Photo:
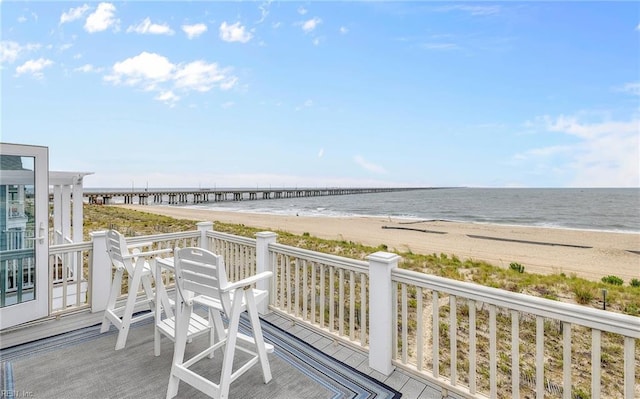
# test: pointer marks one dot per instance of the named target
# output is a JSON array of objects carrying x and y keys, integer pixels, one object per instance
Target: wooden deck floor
[{"x": 410, "y": 386}]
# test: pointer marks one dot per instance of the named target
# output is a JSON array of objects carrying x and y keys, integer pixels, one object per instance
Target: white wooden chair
[
  {"x": 201, "y": 280},
  {"x": 166, "y": 319},
  {"x": 140, "y": 268}
]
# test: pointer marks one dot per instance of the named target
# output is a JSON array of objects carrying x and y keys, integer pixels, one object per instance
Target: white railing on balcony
[
  {"x": 503, "y": 344},
  {"x": 327, "y": 291},
  {"x": 473, "y": 340},
  {"x": 69, "y": 277}
]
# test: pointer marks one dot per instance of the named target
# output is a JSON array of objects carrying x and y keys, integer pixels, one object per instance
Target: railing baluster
[
  {"x": 629, "y": 369},
  {"x": 352, "y": 305},
  {"x": 305, "y": 290},
  {"x": 395, "y": 319},
  {"x": 539, "y": 357},
  {"x": 281, "y": 267},
  {"x": 405, "y": 312},
  {"x": 297, "y": 289},
  {"x": 363, "y": 309},
  {"x": 332, "y": 294},
  {"x": 453, "y": 343},
  {"x": 515, "y": 354},
  {"x": 596, "y": 350},
  {"x": 436, "y": 335},
  {"x": 313, "y": 293},
  {"x": 420, "y": 329},
  {"x": 341, "y": 302},
  {"x": 493, "y": 369},
  {"x": 322, "y": 288},
  {"x": 472, "y": 346},
  {"x": 287, "y": 283},
  {"x": 566, "y": 360}
]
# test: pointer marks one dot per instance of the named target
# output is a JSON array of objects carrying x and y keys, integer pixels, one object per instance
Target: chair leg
[
  {"x": 183, "y": 314},
  {"x": 230, "y": 345},
  {"x": 128, "y": 310},
  {"x": 116, "y": 285},
  {"x": 257, "y": 335}
]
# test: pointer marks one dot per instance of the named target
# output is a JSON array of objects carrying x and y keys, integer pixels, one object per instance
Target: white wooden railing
[
  {"x": 521, "y": 336},
  {"x": 473, "y": 340}
]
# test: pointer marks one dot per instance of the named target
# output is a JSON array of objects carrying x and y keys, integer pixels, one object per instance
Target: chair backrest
[
  {"x": 201, "y": 272},
  {"x": 118, "y": 251}
]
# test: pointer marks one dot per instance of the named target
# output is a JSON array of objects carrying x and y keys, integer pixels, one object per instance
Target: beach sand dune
[{"x": 588, "y": 254}]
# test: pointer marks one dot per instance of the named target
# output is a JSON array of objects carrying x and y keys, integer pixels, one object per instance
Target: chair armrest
[
  {"x": 148, "y": 253},
  {"x": 247, "y": 281}
]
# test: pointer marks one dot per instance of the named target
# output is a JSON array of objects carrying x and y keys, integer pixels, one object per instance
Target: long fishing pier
[{"x": 200, "y": 196}]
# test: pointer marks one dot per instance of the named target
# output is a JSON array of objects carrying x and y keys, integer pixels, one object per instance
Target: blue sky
[{"x": 315, "y": 94}]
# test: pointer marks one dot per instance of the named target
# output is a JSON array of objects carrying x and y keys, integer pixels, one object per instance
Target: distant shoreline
[{"x": 585, "y": 253}]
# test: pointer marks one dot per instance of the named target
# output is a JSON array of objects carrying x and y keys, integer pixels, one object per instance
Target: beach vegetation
[
  {"x": 516, "y": 267},
  {"x": 583, "y": 293},
  {"x": 634, "y": 282},
  {"x": 614, "y": 280}
]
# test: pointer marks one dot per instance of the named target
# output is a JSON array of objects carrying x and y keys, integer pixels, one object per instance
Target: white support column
[
  {"x": 203, "y": 227},
  {"x": 77, "y": 211},
  {"x": 57, "y": 214},
  {"x": 263, "y": 239},
  {"x": 100, "y": 272},
  {"x": 66, "y": 213},
  {"x": 381, "y": 303}
]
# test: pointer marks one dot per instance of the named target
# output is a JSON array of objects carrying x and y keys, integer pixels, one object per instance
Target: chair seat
[{"x": 197, "y": 325}]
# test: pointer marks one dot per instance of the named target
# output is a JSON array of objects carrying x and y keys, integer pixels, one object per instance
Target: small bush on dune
[{"x": 613, "y": 280}]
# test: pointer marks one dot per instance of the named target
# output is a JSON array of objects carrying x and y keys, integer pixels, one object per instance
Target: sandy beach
[{"x": 588, "y": 254}]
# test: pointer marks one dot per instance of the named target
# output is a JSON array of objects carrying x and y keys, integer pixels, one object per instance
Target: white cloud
[
  {"x": 195, "y": 30},
  {"x": 264, "y": 11},
  {"x": 168, "y": 97},
  {"x": 633, "y": 88},
  {"x": 10, "y": 51},
  {"x": 146, "y": 27},
  {"x": 344, "y": 30},
  {"x": 101, "y": 19},
  {"x": 74, "y": 14},
  {"x": 440, "y": 46},
  {"x": 602, "y": 154},
  {"x": 154, "y": 72},
  {"x": 638, "y": 27},
  {"x": 306, "y": 104},
  {"x": 200, "y": 76},
  {"x": 368, "y": 165},
  {"x": 234, "y": 33},
  {"x": 228, "y": 104},
  {"x": 22, "y": 19},
  {"x": 321, "y": 153},
  {"x": 86, "y": 68},
  {"x": 149, "y": 68},
  {"x": 473, "y": 10},
  {"x": 302, "y": 10},
  {"x": 311, "y": 24},
  {"x": 34, "y": 67}
]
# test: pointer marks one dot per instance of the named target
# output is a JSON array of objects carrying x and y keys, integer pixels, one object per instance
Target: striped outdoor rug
[{"x": 84, "y": 364}]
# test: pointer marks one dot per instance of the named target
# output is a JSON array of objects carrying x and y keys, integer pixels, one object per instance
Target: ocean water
[{"x": 601, "y": 209}]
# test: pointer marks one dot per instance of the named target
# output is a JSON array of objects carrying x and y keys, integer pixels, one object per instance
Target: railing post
[
  {"x": 381, "y": 304},
  {"x": 203, "y": 227},
  {"x": 263, "y": 239},
  {"x": 100, "y": 271}
]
